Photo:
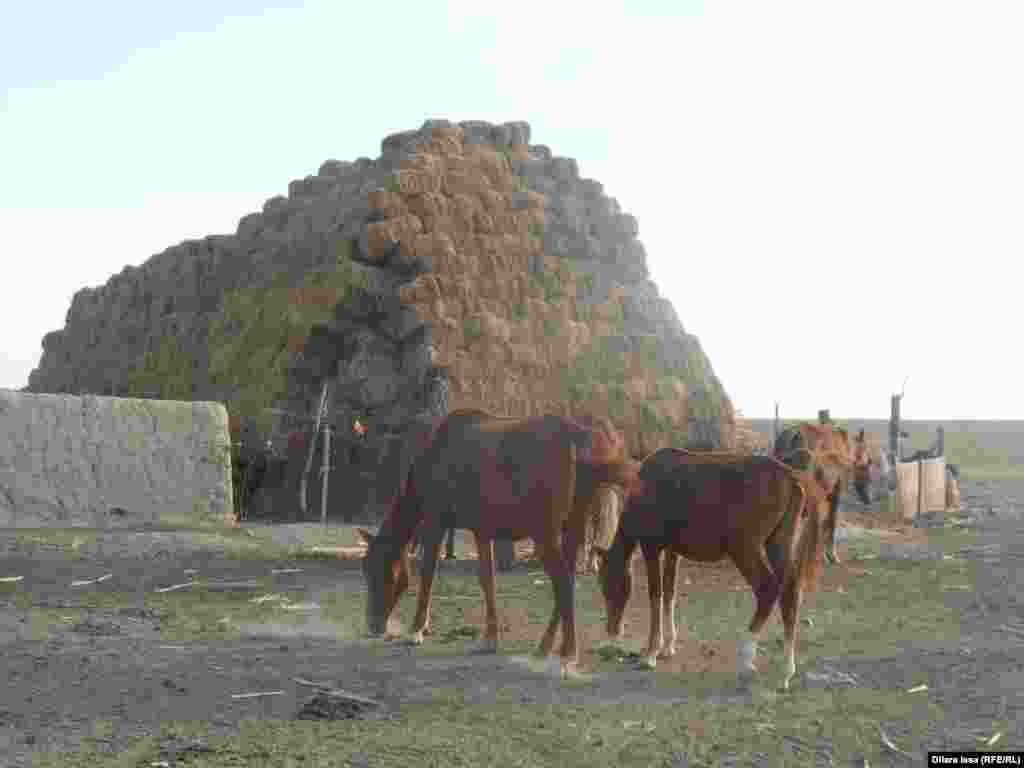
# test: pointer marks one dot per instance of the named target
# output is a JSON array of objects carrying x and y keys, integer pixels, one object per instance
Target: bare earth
[{"x": 111, "y": 664}]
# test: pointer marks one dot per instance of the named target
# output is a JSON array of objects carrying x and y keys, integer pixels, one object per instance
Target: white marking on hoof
[
  {"x": 487, "y": 645},
  {"x": 649, "y": 662},
  {"x": 417, "y": 637},
  {"x": 790, "y": 669},
  {"x": 569, "y": 670},
  {"x": 745, "y": 655}
]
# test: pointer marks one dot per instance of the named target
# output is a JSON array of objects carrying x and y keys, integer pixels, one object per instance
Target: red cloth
[{"x": 296, "y": 441}]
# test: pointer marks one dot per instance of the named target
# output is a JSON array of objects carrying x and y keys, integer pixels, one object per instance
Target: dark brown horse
[
  {"x": 499, "y": 478},
  {"x": 706, "y": 507},
  {"x": 824, "y": 452}
]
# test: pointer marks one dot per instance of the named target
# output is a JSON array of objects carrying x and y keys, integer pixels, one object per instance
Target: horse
[
  {"x": 824, "y": 451},
  {"x": 499, "y": 478},
  {"x": 705, "y": 507}
]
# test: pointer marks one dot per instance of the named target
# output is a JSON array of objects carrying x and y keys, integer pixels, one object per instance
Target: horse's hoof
[
  {"x": 569, "y": 670},
  {"x": 488, "y": 645},
  {"x": 649, "y": 662},
  {"x": 667, "y": 653},
  {"x": 417, "y": 638},
  {"x": 745, "y": 679}
]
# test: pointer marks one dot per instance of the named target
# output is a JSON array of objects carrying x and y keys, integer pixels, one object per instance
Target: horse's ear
[{"x": 365, "y": 535}]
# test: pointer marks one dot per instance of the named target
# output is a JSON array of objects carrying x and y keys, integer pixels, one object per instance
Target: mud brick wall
[{"x": 112, "y": 462}]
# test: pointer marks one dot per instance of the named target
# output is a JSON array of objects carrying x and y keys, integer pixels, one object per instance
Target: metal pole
[{"x": 325, "y": 469}]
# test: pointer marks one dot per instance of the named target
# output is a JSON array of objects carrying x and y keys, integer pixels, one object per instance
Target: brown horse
[
  {"x": 705, "y": 507},
  {"x": 499, "y": 478},
  {"x": 824, "y": 452}
]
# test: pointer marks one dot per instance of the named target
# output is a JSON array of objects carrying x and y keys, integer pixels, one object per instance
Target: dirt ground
[{"x": 110, "y": 665}]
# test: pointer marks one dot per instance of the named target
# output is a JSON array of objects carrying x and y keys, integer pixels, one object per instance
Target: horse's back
[
  {"x": 496, "y": 474},
  {"x": 700, "y": 501}
]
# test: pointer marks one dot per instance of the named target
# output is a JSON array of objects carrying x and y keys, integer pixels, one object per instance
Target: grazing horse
[
  {"x": 706, "y": 507},
  {"x": 497, "y": 477},
  {"x": 823, "y": 451}
]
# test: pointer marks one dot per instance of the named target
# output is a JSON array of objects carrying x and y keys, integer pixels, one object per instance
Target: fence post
[
  {"x": 325, "y": 470},
  {"x": 303, "y": 480},
  {"x": 920, "y": 485},
  {"x": 894, "y": 428},
  {"x": 775, "y": 426}
]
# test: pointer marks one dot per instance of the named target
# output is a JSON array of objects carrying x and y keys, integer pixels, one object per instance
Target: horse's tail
[
  {"x": 809, "y": 547},
  {"x": 797, "y": 552}
]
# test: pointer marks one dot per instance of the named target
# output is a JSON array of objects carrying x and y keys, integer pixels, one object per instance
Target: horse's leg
[
  {"x": 563, "y": 581},
  {"x": 792, "y": 595},
  {"x": 485, "y": 547},
  {"x": 431, "y": 543},
  {"x": 450, "y": 549},
  {"x": 831, "y": 521},
  {"x": 547, "y": 641},
  {"x": 752, "y": 562},
  {"x": 652, "y": 558},
  {"x": 668, "y": 603},
  {"x": 572, "y": 542}
]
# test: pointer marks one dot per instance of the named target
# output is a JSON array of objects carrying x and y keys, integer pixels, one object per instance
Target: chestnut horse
[
  {"x": 824, "y": 452},
  {"x": 499, "y": 478},
  {"x": 705, "y": 507}
]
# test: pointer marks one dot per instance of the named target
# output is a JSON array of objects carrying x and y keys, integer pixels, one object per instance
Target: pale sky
[{"x": 831, "y": 194}]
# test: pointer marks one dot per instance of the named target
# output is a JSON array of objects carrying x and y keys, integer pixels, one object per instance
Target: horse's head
[
  {"x": 615, "y": 577},
  {"x": 386, "y": 570},
  {"x": 597, "y": 441}
]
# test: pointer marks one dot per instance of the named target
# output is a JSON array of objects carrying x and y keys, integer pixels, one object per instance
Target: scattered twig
[
  {"x": 994, "y": 738},
  {"x": 311, "y": 683},
  {"x": 300, "y": 606},
  {"x": 277, "y": 571},
  {"x": 270, "y": 597},
  {"x": 86, "y": 582},
  {"x": 175, "y": 587},
  {"x": 256, "y": 694},
  {"x": 229, "y": 585},
  {"x": 338, "y": 693},
  {"x": 1012, "y": 630},
  {"x": 10, "y": 579},
  {"x": 638, "y": 724},
  {"x": 887, "y": 743},
  {"x": 917, "y": 688}
]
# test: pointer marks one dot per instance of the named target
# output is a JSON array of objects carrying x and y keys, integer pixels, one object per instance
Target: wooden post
[
  {"x": 312, "y": 448},
  {"x": 920, "y": 486},
  {"x": 775, "y": 426},
  {"x": 325, "y": 470},
  {"x": 894, "y": 428}
]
